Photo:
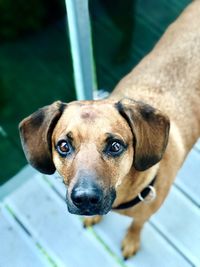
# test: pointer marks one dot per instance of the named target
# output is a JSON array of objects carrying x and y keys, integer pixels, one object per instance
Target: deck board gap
[
  {"x": 171, "y": 243},
  {"x": 186, "y": 195},
  {"x": 11, "y": 213}
]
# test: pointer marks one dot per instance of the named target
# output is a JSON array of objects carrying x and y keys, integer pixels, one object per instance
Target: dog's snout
[
  {"x": 86, "y": 196},
  {"x": 89, "y": 198}
]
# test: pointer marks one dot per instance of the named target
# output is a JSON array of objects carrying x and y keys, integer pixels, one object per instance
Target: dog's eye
[
  {"x": 115, "y": 148},
  {"x": 63, "y": 148}
]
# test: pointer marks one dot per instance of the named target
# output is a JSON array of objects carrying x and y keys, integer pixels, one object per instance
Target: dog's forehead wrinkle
[{"x": 88, "y": 114}]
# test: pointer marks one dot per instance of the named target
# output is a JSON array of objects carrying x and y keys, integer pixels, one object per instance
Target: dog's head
[{"x": 94, "y": 145}]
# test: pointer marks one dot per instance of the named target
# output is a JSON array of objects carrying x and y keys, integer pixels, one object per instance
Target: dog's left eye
[
  {"x": 64, "y": 148},
  {"x": 115, "y": 148}
]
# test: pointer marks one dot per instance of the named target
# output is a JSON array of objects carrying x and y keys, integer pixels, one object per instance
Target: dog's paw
[
  {"x": 130, "y": 246},
  {"x": 89, "y": 221}
]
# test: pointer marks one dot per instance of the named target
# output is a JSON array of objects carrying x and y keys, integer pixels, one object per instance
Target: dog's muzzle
[{"x": 88, "y": 198}]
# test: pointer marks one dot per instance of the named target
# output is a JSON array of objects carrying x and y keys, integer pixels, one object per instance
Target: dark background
[{"x": 35, "y": 58}]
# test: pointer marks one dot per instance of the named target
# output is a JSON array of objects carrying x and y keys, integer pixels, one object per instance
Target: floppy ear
[
  {"x": 150, "y": 127},
  {"x": 35, "y": 133}
]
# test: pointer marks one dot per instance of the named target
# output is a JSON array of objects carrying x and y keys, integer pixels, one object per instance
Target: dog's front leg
[
  {"x": 131, "y": 242},
  {"x": 89, "y": 221}
]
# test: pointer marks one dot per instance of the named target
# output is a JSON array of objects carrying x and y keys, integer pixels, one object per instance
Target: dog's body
[{"x": 108, "y": 151}]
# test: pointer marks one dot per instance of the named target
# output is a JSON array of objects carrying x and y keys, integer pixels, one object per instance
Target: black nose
[{"x": 86, "y": 196}]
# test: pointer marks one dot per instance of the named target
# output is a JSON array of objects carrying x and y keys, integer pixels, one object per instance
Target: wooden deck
[{"x": 36, "y": 229}]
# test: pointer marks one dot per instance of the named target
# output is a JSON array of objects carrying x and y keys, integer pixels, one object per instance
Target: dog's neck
[
  {"x": 134, "y": 183},
  {"x": 148, "y": 194}
]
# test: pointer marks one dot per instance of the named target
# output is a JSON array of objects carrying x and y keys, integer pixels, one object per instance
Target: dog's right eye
[{"x": 64, "y": 148}]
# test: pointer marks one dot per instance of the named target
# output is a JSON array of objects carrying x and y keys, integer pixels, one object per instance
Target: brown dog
[{"x": 115, "y": 153}]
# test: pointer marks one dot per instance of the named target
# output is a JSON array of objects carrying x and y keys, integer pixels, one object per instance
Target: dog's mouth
[{"x": 92, "y": 208}]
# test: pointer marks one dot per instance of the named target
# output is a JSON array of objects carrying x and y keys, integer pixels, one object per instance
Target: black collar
[{"x": 137, "y": 199}]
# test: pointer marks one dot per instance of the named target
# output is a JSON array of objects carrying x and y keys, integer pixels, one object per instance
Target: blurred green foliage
[{"x": 21, "y": 17}]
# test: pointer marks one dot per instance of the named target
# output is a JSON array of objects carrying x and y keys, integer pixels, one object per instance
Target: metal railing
[{"x": 81, "y": 48}]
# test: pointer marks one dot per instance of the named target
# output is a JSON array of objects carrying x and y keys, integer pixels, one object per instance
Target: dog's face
[
  {"x": 92, "y": 152},
  {"x": 94, "y": 145}
]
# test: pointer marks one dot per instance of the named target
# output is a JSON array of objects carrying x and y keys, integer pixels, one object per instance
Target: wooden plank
[
  {"x": 56, "y": 181},
  {"x": 189, "y": 176},
  {"x": 154, "y": 248},
  {"x": 10, "y": 162},
  {"x": 26, "y": 173},
  {"x": 179, "y": 220},
  {"x": 61, "y": 234},
  {"x": 113, "y": 228},
  {"x": 17, "y": 249},
  {"x": 81, "y": 48}
]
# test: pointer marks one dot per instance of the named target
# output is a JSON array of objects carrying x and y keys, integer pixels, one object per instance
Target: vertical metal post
[{"x": 81, "y": 47}]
